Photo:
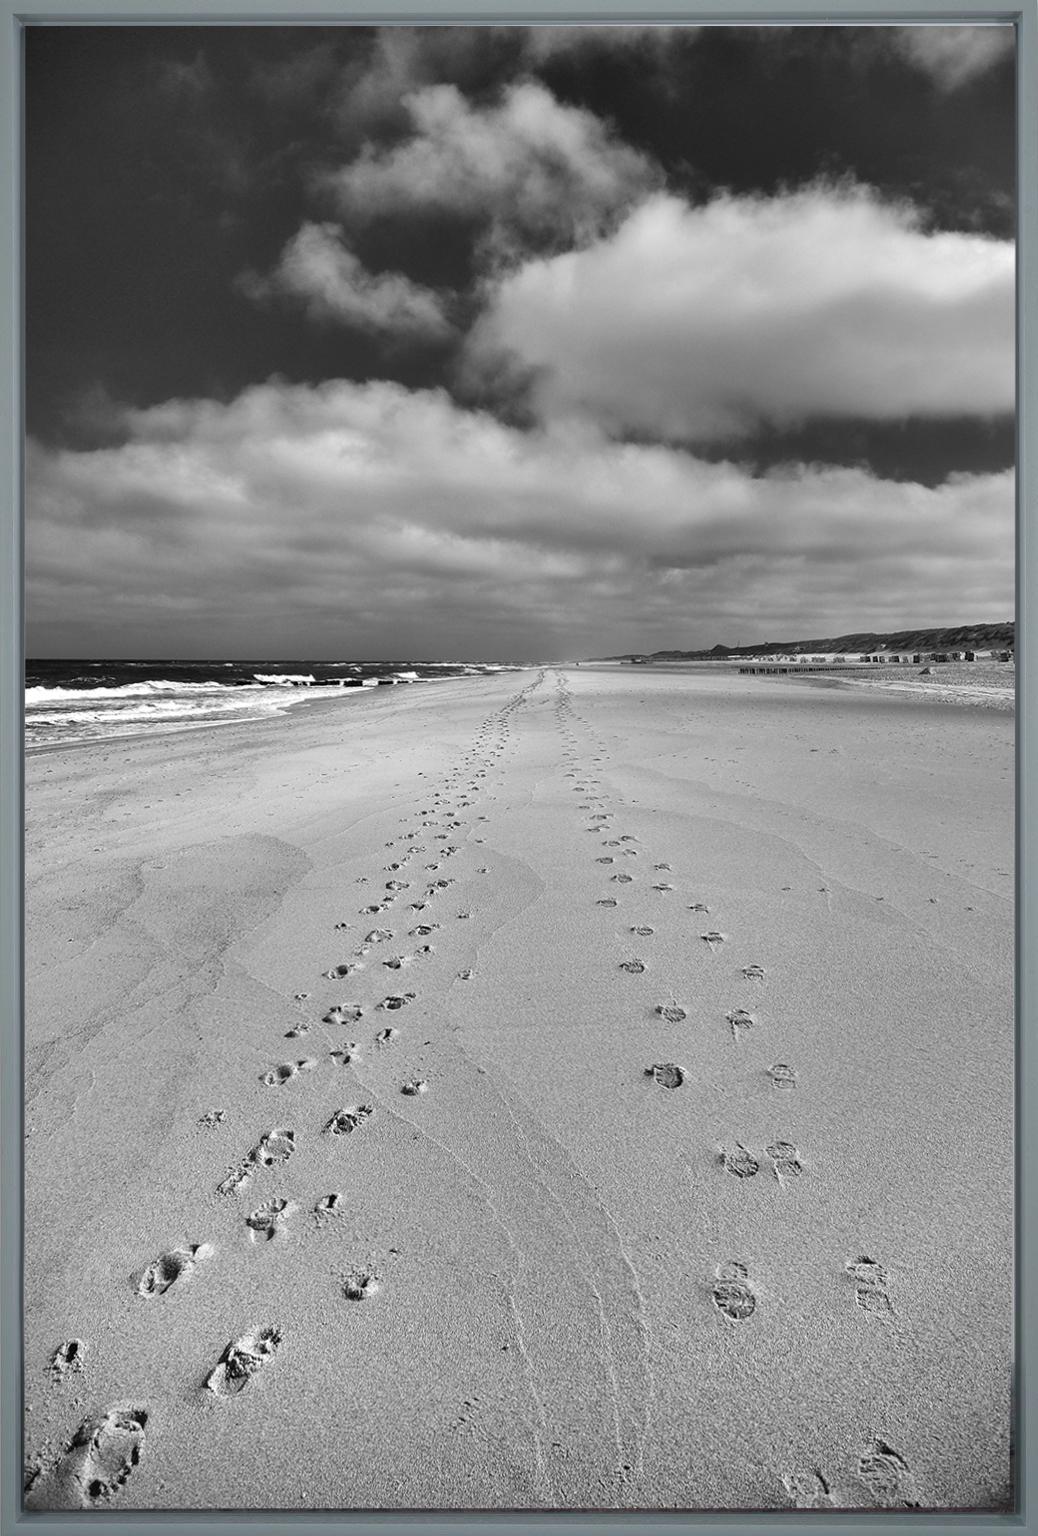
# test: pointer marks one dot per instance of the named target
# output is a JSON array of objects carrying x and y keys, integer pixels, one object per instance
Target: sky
[{"x": 515, "y": 344}]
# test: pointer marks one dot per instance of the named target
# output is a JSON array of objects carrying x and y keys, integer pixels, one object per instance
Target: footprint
[
  {"x": 606, "y": 901},
  {"x": 415, "y": 1086},
  {"x": 264, "y": 1220},
  {"x": 782, "y": 1076},
  {"x": 343, "y": 1013},
  {"x": 66, "y": 1360},
  {"x": 465, "y": 975},
  {"x": 740, "y": 1161},
  {"x": 622, "y": 879},
  {"x": 753, "y": 972},
  {"x": 699, "y": 906},
  {"x": 672, "y": 1012},
  {"x": 885, "y": 1473},
  {"x": 297, "y": 1032},
  {"x": 666, "y": 1074},
  {"x": 361, "y": 1284},
  {"x": 241, "y": 1360},
  {"x": 168, "y": 1268},
  {"x": 286, "y": 1071},
  {"x": 713, "y": 938},
  {"x": 740, "y": 1021},
  {"x": 786, "y": 1158},
  {"x": 378, "y": 936},
  {"x": 732, "y": 1293},
  {"x": 870, "y": 1286},
  {"x": 396, "y": 1001},
  {"x": 345, "y": 969},
  {"x": 100, "y": 1457},
  {"x": 211, "y": 1117},
  {"x": 397, "y": 962},
  {"x": 808, "y": 1490},
  {"x": 643, "y": 931},
  {"x": 633, "y": 967},
  {"x": 423, "y": 930},
  {"x": 327, "y": 1207},
  {"x": 345, "y": 1054},
  {"x": 301, "y": 997},
  {"x": 607, "y": 859},
  {"x": 275, "y": 1147},
  {"x": 345, "y": 1121},
  {"x": 387, "y": 1036}
]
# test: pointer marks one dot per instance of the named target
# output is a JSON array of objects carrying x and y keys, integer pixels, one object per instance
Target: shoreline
[{"x": 557, "y": 1237}]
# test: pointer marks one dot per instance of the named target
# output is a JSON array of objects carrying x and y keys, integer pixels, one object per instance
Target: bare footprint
[
  {"x": 713, "y": 938},
  {"x": 672, "y": 1012},
  {"x": 168, "y": 1268},
  {"x": 274, "y": 1147},
  {"x": 99, "y": 1459},
  {"x": 328, "y": 1207},
  {"x": 277, "y": 1076},
  {"x": 666, "y": 1074},
  {"x": 387, "y": 1036},
  {"x": 782, "y": 1075},
  {"x": 643, "y": 931},
  {"x": 414, "y": 1086},
  {"x": 67, "y": 1360},
  {"x": 732, "y": 1293},
  {"x": 263, "y": 1222},
  {"x": 632, "y": 967},
  {"x": 753, "y": 972},
  {"x": 345, "y": 1121},
  {"x": 241, "y": 1360},
  {"x": 343, "y": 1013},
  {"x": 396, "y": 1001}
]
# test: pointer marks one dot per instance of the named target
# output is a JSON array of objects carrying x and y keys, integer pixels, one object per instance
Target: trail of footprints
[
  {"x": 102, "y": 1453},
  {"x": 732, "y": 1290},
  {"x": 104, "y": 1450}
]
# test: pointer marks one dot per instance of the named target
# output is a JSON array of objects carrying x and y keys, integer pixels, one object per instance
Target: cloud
[
  {"x": 527, "y": 166},
  {"x": 332, "y": 283},
  {"x": 544, "y": 44},
  {"x": 703, "y": 323},
  {"x": 953, "y": 56},
  {"x": 342, "y": 519}
]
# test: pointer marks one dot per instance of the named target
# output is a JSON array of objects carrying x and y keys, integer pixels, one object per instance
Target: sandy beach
[{"x": 577, "y": 1088}]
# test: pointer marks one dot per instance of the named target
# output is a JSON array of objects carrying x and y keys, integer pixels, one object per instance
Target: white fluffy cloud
[
  {"x": 525, "y": 165},
  {"x": 952, "y": 56},
  {"x": 324, "y": 518},
  {"x": 318, "y": 269},
  {"x": 703, "y": 322}
]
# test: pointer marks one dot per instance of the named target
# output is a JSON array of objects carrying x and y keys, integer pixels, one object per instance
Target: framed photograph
[{"x": 514, "y": 882}]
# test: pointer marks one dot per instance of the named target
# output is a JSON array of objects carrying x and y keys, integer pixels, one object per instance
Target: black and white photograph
[{"x": 519, "y": 767}]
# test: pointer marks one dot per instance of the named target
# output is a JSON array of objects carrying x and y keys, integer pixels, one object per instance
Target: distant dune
[{"x": 966, "y": 636}]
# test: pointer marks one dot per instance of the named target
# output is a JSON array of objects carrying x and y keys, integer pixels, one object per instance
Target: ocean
[{"x": 70, "y": 701}]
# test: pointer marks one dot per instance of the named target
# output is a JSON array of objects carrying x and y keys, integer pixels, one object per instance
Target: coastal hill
[{"x": 965, "y": 637}]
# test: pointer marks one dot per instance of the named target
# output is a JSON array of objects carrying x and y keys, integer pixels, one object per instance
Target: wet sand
[{"x": 543, "y": 1197}]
